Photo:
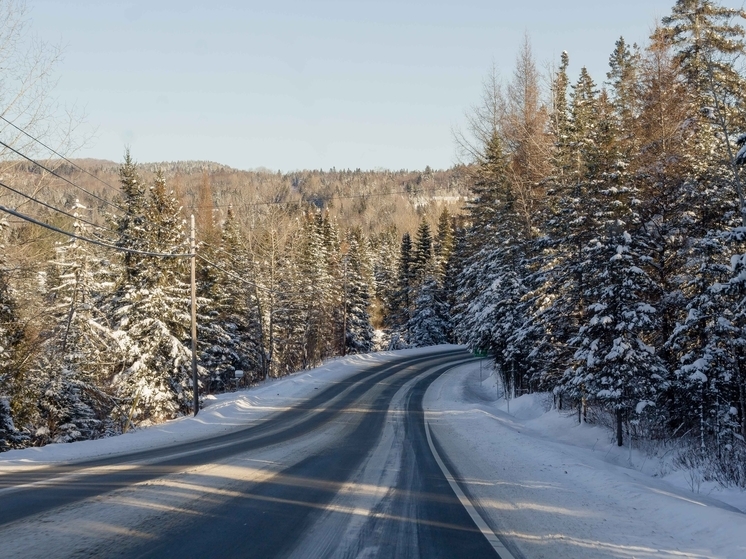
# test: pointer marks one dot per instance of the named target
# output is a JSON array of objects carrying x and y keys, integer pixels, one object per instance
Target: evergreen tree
[
  {"x": 429, "y": 323},
  {"x": 561, "y": 158},
  {"x": 231, "y": 330},
  {"x": 316, "y": 295},
  {"x": 131, "y": 226},
  {"x": 708, "y": 44},
  {"x": 444, "y": 243},
  {"x": 358, "y": 329},
  {"x": 150, "y": 307},
  {"x": 12, "y": 342},
  {"x": 491, "y": 194},
  {"x": 384, "y": 249},
  {"x": 423, "y": 252},
  {"x": 614, "y": 363},
  {"x": 403, "y": 300},
  {"x": 623, "y": 78},
  {"x": 289, "y": 315},
  {"x": 74, "y": 367}
]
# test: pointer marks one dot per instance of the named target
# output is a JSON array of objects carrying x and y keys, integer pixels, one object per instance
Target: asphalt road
[{"x": 349, "y": 473}]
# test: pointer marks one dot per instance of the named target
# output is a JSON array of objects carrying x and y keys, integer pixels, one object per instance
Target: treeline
[
  {"x": 95, "y": 338},
  {"x": 374, "y": 200},
  {"x": 604, "y": 260}
]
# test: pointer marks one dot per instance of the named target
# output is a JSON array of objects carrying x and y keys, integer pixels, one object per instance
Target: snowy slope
[{"x": 562, "y": 490}]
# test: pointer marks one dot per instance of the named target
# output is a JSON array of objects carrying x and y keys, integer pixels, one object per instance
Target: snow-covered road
[
  {"x": 323, "y": 478},
  {"x": 362, "y": 481}
]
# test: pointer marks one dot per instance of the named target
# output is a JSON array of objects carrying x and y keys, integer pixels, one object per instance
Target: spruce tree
[
  {"x": 561, "y": 158},
  {"x": 230, "y": 329},
  {"x": 624, "y": 66},
  {"x": 402, "y": 302},
  {"x": 384, "y": 248},
  {"x": 358, "y": 329},
  {"x": 709, "y": 43},
  {"x": 429, "y": 323},
  {"x": 315, "y": 293},
  {"x": 423, "y": 252},
  {"x": 12, "y": 341},
  {"x": 150, "y": 307},
  {"x": 444, "y": 243},
  {"x": 614, "y": 364},
  {"x": 75, "y": 366}
]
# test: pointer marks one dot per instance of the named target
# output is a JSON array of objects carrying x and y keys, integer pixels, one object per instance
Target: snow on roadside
[
  {"x": 559, "y": 489},
  {"x": 222, "y": 413}
]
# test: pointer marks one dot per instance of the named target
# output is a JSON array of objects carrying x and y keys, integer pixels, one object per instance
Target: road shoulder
[{"x": 552, "y": 500}]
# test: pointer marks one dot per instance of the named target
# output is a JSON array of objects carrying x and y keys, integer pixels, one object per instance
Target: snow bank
[{"x": 559, "y": 489}]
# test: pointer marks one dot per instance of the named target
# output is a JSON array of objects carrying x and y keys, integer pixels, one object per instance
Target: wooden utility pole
[
  {"x": 194, "y": 319},
  {"x": 344, "y": 310}
]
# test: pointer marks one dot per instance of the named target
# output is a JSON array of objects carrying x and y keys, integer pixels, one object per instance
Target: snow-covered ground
[
  {"x": 548, "y": 485},
  {"x": 563, "y": 490}
]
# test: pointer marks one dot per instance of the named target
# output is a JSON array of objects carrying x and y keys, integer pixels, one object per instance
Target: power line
[
  {"x": 63, "y": 212},
  {"x": 56, "y": 174},
  {"x": 38, "y": 141},
  {"x": 92, "y": 241},
  {"x": 256, "y": 285},
  {"x": 237, "y": 277}
]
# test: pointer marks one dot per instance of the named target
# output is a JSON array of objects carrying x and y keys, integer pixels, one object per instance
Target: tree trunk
[{"x": 619, "y": 439}]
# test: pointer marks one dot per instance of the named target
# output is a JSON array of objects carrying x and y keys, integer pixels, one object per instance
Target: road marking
[{"x": 501, "y": 550}]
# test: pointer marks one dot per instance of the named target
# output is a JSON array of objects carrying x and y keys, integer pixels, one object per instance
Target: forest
[{"x": 592, "y": 244}]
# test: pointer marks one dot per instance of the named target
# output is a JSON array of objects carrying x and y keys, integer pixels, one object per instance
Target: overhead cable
[
  {"x": 38, "y": 141},
  {"x": 56, "y": 174},
  {"x": 63, "y": 212},
  {"x": 235, "y": 276},
  {"x": 92, "y": 241}
]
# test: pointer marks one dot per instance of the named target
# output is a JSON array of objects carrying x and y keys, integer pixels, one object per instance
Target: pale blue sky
[{"x": 317, "y": 84}]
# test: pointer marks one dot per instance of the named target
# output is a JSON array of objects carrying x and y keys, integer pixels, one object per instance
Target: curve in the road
[
  {"x": 423, "y": 515},
  {"x": 25, "y": 494}
]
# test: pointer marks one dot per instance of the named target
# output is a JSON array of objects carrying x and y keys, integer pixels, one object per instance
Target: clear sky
[{"x": 292, "y": 84}]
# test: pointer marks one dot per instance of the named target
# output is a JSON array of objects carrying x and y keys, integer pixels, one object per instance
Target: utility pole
[
  {"x": 344, "y": 309},
  {"x": 194, "y": 319}
]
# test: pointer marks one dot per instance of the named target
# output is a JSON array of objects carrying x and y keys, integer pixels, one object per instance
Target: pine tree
[
  {"x": 12, "y": 342},
  {"x": 358, "y": 329},
  {"x": 422, "y": 261},
  {"x": 403, "y": 300},
  {"x": 150, "y": 307},
  {"x": 75, "y": 365},
  {"x": 614, "y": 363},
  {"x": 231, "y": 330},
  {"x": 429, "y": 323}
]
